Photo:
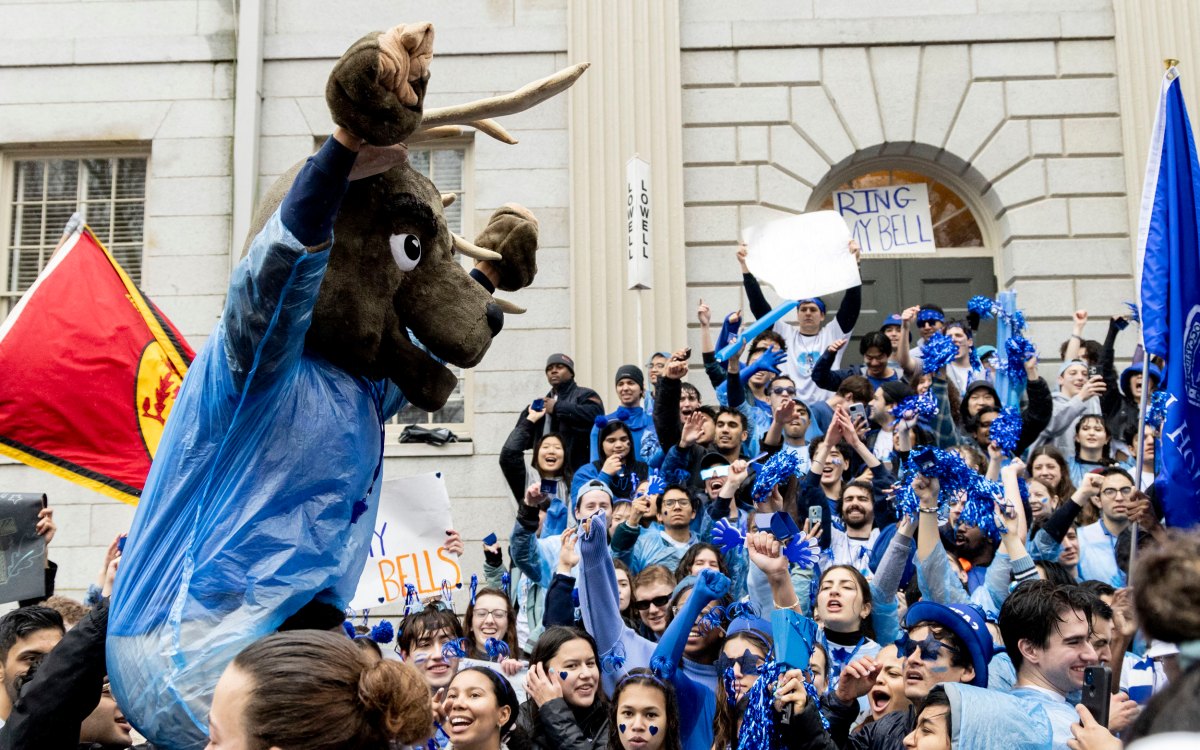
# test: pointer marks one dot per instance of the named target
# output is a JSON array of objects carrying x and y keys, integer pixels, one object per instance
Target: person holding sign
[{"x": 811, "y": 336}]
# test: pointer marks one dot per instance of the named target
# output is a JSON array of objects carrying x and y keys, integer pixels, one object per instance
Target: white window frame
[
  {"x": 9, "y": 157},
  {"x": 466, "y": 198}
]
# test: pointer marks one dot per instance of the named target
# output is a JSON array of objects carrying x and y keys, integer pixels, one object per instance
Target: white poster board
[
  {"x": 406, "y": 545},
  {"x": 640, "y": 269},
  {"x": 802, "y": 256},
  {"x": 888, "y": 219}
]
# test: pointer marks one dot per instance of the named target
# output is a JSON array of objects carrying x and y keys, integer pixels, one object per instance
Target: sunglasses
[
  {"x": 930, "y": 647},
  {"x": 783, "y": 390},
  {"x": 641, "y": 605},
  {"x": 929, "y": 323},
  {"x": 748, "y": 663}
]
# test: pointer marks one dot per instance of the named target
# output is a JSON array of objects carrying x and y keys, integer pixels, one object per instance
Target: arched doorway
[{"x": 964, "y": 264}]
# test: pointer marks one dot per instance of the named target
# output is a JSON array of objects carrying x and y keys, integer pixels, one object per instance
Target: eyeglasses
[
  {"x": 1111, "y": 492},
  {"x": 929, "y": 646},
  {"x": 748, "y": 663},
  {"x": 676, "y": 502},
  {"x": 783, "y": 390},
  {"x": 658, "y": 602},
  {"x": 495, "y": 614}
]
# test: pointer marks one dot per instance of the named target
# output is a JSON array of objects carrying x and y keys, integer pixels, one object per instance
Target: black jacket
[
  {"x": 886, "y": 734},
  {"x": 560, "y": 727},
  {"x": 574, "y": 414},
  {"x": 65, "y": 690}
]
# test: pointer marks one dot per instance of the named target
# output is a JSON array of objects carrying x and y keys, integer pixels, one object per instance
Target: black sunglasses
[
  {"x": 783, "y": 390},
  {"x": 641, "y": 605}
]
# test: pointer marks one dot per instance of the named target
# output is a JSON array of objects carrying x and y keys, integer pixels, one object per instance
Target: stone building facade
[{"x": 1032, "y": 114}]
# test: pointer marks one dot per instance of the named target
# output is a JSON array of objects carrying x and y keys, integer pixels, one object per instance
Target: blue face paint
[
  {"x": 621, "y": 727},
  {"x": 939, "y": 670},
  {"x": 653, "y": 730}
]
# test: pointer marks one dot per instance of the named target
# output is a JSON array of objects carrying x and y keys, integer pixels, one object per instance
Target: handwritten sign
[
  {"x": 802, "y": 256},
  {"x": 888, "y": 219},
  {"x": 640, "y": 269},
  {"x": 22, "y": 551},
  {"x": 406, "y": 546}
]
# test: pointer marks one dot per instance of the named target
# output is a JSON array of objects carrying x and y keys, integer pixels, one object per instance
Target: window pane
[
  {"x": 27, "y": 224},
  {"x": 419, "y": 161},
  {"x": 447, "y": 169},
  {"x": 99, "y": 178},
  {"x": 453, "y": 214},
  {"x": 30, "y": 175},
  {"x": 131, "y": 178},
  {"x": 57, "y": 216},
  {"x": 63, "y": 180},
  {"x": 127, "y": 226},
  {"x": 99, "y": 217}
]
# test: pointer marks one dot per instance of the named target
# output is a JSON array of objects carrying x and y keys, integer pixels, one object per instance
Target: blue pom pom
[
  {"x": 982, "y": 306},
  {"x": 922, "y": 405},
  {"x": 1016, "y": 322},
  {"x": 382, "y": 633},
  {"x": 496, "y": 649},
  {"x": 1017, "y": 349},
  {"x": 613, "y": 660},
  {"x": 956, "y": 479},
  {"x": 662, "y": 668},
  {"x": 758, "y": 720},
  {"x": 938, "y": 351},
  {"x": 1006, "y": 430},
  {"x": 349, "y": 628},
  {"x": 1156, "y": 410},
  {"x": 1135, "y": 314},
  {"x": 779, "y": 468},
  {"x": 455, "y": 649}
]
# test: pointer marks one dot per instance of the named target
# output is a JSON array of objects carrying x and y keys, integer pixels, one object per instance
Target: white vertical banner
[{"x": 640, "y": 270}]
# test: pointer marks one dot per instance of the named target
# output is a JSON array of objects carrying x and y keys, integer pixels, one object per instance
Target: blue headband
[
  {"x": 927, "y": 314},
  {"x": 815, "y": 300}
]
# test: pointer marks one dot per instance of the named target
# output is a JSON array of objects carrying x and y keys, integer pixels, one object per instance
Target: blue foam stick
[{"x": 759, "y": 326}]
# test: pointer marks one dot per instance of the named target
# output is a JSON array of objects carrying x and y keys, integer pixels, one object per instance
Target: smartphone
[
  {"x": 1093, "y": 372},
  {"x": 490, "y": 539},
  {"x": 815, "y": 513},
  {"x": 539, "y": 404},
  {"x": 858, "y": 411},
  {"x": 121, "y": 543},
  {"x": 550, "y": 487},
  {"x": 1096, "y": 686}
]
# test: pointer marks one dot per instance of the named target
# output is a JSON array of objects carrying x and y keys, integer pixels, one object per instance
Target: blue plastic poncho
[
  {"x": 984, "y": 719},
  {"x": 249, "y": 510}
]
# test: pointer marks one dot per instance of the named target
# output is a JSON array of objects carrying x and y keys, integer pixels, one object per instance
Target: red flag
[{"x": 89, "y": 370}]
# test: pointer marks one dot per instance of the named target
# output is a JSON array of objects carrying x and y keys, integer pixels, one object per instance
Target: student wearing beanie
[
  {"x": 631, "y": 386},
  {"x": 569, "y": 409}
]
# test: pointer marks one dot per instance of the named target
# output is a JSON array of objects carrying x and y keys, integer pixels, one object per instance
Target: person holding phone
[
  {"x": 1078, "y": 395},
  {"x": 1046, "y": 631},
  {"x": 568, "y": 409}
]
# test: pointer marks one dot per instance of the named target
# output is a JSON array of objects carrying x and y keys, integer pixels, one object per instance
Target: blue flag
[{"x": 1169, "y": 244}]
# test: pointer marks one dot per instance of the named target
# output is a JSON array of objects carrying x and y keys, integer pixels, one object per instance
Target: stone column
[{"x": 627, "y": 103}]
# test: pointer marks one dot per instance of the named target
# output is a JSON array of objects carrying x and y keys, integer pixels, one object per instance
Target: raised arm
[
  {"x": 599, "y": 596},
  {"x": 758, "y": 303}
]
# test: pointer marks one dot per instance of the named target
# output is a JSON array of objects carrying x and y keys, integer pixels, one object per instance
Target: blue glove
[
  {"x": 729, "y": 332},
  {"x": 770, "y": 361},
  {"x": 712, "y": 585}
]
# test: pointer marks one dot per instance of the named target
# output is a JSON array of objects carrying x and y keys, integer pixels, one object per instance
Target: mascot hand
[
  {"x": 513, "y": 232},
  {"x": 377, "y": 89}
]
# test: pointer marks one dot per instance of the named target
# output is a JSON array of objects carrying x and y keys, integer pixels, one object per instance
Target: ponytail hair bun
[{"x": 393, "y": 693}]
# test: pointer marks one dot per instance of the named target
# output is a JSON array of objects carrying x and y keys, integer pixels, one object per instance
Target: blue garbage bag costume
[{"x": 265, "y": 484}]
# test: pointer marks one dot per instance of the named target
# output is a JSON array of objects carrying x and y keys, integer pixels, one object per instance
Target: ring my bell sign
[
  {"x": 637, "y": 216},
  {"x": 891, "y": 219}
]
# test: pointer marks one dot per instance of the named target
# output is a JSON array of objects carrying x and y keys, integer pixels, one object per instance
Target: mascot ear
[
  {"x": 513, "y": 233},
  {"x": 377, "y": 88}
]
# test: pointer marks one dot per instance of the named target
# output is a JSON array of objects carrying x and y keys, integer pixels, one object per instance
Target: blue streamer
[
  {"x": 1135, "y": 314},
  {"x": 411, "y": 598},
  {"x": 741, "y": 609},
  {"x": 758, "y": 721},
  {"x": 455, "y": 648},
  {"x": 1006, "y": 430},
  {"x": 613, "y": 660},
  {"x": 714, "y": 619},
  {"x": 447, "y": 594},
  {"x": 382, "y": 633},
  {"x": 779, "y": 468},
  {"x": 938, "y": 351},
  {"x": 474, "y": 587},
  {"x": 662, "y": 668},
  {"x": 496, "y": 649},
  {"x": 921, "y": 405},
  {"x": 505, "y": 581},
  {"x": 816, "y": 701},
  {"x": 727, "y": 679}
]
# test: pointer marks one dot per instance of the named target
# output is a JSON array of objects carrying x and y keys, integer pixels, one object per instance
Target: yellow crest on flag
[{"x": 157, "y": 387}]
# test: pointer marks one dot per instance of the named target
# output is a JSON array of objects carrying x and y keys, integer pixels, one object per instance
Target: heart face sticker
[
  {"x": 621, "y": 727},
  {"x": 562, "y": 675},
  {"x": 653, "y": 730}
]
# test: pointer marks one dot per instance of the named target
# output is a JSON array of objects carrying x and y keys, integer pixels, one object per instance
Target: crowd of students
[{"x": 662, "y": 549}]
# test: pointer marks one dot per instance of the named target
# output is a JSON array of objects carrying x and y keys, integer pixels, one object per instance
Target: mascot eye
[{"x": 406, "y": 250}]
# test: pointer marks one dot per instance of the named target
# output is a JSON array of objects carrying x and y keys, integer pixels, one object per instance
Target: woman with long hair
[
  {"x": 268, "y": 694},
  {"x": 1048, "y": 465},
  {"x": 566, "y": 709},
  {"x": 698, "y": 557},
  {"x": 1093, "y": 448},
  {"x": 742, "y": 655},
  {"x": 491, "y": 617},
  {"x": 547, "y": 469},
  {"x": 644, "y": 714},
  {"x": 617, "y": 464}
]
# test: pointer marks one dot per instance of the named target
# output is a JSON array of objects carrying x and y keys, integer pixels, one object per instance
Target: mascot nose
[{"x": 495, "y": 317}]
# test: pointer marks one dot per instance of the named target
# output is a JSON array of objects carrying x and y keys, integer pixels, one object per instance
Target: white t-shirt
[
  {"x": 804, "y": 351},
  {"x": 801, "y": 452}
]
